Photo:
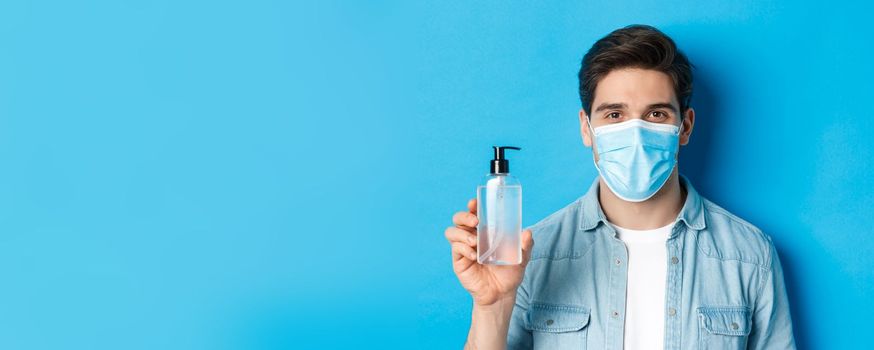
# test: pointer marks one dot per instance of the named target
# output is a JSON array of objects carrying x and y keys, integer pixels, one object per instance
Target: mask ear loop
[
  {"x": 592, "y": 137},
  {"x": 679, "y": 134},
  {"x": 591, "y": 131}
]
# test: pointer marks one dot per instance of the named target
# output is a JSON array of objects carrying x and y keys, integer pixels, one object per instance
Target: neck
[{"x": 658, "y": 211}]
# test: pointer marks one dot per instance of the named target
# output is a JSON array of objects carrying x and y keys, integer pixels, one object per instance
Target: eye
[
  {"x": 613, "y": 115},
  {"x": 658, "y": 114}
]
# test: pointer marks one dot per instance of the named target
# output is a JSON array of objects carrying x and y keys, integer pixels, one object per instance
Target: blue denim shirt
[{"x": 724, "y": 287}]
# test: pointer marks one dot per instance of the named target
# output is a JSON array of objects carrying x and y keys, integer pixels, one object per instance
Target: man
[{"x": 641, "y": 261}]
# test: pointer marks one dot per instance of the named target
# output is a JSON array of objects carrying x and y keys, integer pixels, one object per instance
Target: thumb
[{"x": 527, "y": 245}]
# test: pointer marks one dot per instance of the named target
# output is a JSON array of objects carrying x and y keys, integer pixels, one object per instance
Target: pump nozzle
[{"x": 500, "y": 165}]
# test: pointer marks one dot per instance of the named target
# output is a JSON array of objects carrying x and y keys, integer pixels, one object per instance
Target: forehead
[{"x": 635, "y": 86}]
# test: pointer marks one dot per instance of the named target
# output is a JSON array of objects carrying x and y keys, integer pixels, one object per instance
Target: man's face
[{"x": 634, "y": 93}]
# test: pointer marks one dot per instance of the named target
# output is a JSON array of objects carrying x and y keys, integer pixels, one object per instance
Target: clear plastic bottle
[{"x": 499, "y": 210}]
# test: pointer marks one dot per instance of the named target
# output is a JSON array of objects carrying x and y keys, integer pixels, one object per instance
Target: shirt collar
[{"x": 590, "y": 212}]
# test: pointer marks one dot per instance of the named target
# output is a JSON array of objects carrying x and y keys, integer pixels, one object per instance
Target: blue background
[{"x": 273, "y": 175}]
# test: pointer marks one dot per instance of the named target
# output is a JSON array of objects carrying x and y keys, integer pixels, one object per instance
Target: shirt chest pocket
[
  {"x": 723, "y": 327},
  {"x": 555, "y": 326}
]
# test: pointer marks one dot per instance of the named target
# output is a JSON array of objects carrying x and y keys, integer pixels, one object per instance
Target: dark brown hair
[{"x": 635, "y": 46}]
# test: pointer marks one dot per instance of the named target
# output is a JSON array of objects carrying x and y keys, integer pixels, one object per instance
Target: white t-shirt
[{"x": 645, "y": 297}]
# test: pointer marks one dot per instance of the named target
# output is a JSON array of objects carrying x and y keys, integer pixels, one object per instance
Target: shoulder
[{"x": 728, "y": 237}]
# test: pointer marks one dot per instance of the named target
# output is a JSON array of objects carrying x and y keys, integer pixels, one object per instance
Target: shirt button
[
  {"x": 618, "y": 262},
  {"x": 672, "y": 311},
  {"x": 674, "y": 260},
  {"x": 734, "y": 325},
  {"x": 549, "y": 322},
  {"x": 615, "y": 314}
]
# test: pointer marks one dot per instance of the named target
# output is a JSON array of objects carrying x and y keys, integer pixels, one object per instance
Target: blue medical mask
[{"x": 636, "y": 157}]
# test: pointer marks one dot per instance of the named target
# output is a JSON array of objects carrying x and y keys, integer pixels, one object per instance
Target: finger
[
  {"x": 455, "y": 234},
  {"x": 465, "y": 220},
  {"x": 462, "y": 251},
  {"x": 471, "y": 206},
  {"x": 527, "y": 245},
  {"x": 460, "y": 263}
]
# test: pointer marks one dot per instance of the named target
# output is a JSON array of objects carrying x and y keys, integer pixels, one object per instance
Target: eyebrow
[
  {"x": 605, "y": 105},
  {"x": 663, "y": 105}
]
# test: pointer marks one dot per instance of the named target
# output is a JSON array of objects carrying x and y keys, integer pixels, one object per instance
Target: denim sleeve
[
  {"x": 518, "y": 336},
  {"x": 772, "y": 322}
]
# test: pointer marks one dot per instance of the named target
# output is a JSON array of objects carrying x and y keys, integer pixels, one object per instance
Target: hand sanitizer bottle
[{"x": 499, "y": 210}]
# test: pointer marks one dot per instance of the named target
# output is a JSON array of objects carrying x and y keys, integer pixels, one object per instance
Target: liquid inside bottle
[{"x": 499, "y": 231}]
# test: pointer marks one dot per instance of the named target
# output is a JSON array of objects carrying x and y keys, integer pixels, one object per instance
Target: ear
[
  {"x": 688, "y": 125},
  {"x": 584, "y": 128}
]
